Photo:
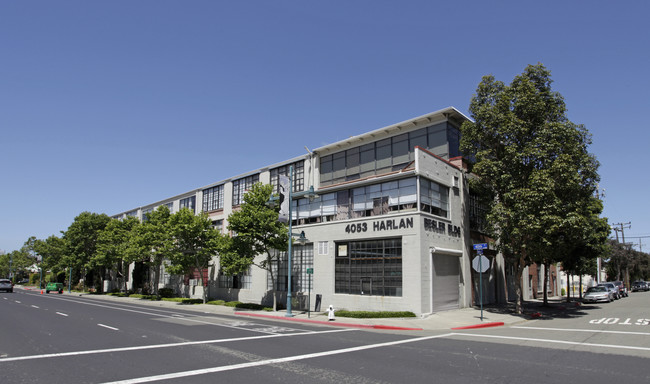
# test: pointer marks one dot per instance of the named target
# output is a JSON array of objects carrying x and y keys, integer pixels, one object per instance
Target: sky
[{"x": 106, "y": 106}]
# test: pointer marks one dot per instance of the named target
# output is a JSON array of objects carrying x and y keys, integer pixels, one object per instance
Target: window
[
  {"x": 303, "y": 258},
  {"x": 145, "y": 213},
  {"x": 372, "y": 200},
  {"x": 213, "y": 198},
  {"x": 240, "y": 281},
  {"x": 239, "y": 188},
  {"x": 298, "y": 178},
  {"x": 323, "y": 248},
  {"x": 389, "y": 154},
  {"x": 170, "y": 206},
  {"x": 189, "y": 203},
  {"x": 218, "y": 225},
  {"x": 369, "y": 267},
  {"x": 434, "y": 198}
]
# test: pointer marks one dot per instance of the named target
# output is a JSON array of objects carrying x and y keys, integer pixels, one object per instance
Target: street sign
[
  {"x": 481, "y": 263},
  {"x": 310, "y": 271},
  {"x": 480, "y": 246}
]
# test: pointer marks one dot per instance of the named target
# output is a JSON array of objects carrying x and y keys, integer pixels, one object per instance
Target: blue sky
[{"x": 109, "y": 105}]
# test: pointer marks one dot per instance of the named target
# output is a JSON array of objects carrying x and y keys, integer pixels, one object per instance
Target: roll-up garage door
[{"x": 446, "y": 278}]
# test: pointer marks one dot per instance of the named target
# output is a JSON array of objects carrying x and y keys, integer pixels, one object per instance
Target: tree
[
  {"x": 534, "y": 171},
  {"x": 257, "y": 232},
  {"x": 115, "y": 248},
  {"x": 52, "y": 250},
  {"x": 195, "y": 242},
  {"x": 81, "y": 238},
  {"x": 153, "y": 242},
  {"x": 15, "y": 261}
]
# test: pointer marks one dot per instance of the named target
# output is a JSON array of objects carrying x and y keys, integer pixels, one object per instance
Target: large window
[
  {"x": 303, "y": 258},
  {"x": 240, "y": 281},
  {"x": 189, "y": 203},
  {"x": 372, "y": 200},
  {"x": 239, "y": 188},
  {"x": 213, "y": 198},
  {"x": 389, "y": 154},
  {"x": 434, "y": 198},
  {"x": 369, "y": 267},
  {"x": 298, "y": 177}
]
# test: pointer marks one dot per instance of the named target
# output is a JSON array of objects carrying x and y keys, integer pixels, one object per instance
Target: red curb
[
  {"x": 483, "y": 325},
  {"x": 336, "y": 324}
]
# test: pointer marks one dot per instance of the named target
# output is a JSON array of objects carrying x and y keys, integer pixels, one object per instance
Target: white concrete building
[{"x": 389, "y": 230}]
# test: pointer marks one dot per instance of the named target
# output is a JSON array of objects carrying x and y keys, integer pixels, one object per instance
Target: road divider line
[
  {"x": 551, "y": 341},
  {"x": 62, "y": 314},
  {"x": 145, "y": 347},
  {"x": 584, "y": 330},
  {"x": 106, "y": 326},
  {"x": 288, "y": 359}
]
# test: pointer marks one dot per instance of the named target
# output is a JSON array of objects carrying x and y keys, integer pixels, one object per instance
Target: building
[{"x": 391, "y": 228}]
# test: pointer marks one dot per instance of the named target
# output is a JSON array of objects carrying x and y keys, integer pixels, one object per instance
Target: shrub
[
  {"x": 217, "y": 302},
  {"x": 166, "y": 292},
  {"x": 373, "y": 314},
  {"x": 232, "y": 303}
]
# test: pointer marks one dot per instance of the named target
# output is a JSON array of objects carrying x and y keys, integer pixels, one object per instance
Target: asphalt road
[{"x": 69, "y": 339}]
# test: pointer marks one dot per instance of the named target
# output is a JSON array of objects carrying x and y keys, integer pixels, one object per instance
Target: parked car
[
  {"x": 621, "y": 288},
  {"x": 640, "y": 286},
  {"x": 612, "y": 288},
  {"x": 598, "y": 293},
  {"x": 54, "y": 287},
  {"x": 6, "y": 285}
]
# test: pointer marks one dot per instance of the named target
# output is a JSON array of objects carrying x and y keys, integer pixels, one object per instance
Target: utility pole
[{"x": 622, "y": 229}]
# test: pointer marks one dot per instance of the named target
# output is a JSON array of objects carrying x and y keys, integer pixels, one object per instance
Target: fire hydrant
[{"x": 330, "y": 313}]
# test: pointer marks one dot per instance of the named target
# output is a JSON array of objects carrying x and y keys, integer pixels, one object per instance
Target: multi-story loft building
[{"x": 391, "y": 228}]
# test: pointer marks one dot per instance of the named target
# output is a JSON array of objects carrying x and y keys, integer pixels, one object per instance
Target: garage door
[{"x": 446, "y": 277}]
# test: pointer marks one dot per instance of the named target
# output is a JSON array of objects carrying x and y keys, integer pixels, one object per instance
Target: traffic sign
[
  {"x": 480, "y": 246},
  {"x": 481, "y": 263},
  {"x": 310, "y": 271}
]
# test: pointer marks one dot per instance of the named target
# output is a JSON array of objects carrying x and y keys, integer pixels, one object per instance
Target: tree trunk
[
  {"x": 568, "y": 288},
  {"x": 519, "y": 300},
  {"x": 547, "y": 269}
]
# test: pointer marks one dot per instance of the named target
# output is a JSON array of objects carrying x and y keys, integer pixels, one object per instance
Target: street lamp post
[{"x": 288, "y": 185}]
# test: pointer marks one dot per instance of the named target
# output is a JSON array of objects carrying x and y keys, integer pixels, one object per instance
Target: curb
[
  {"x": 483, "y": 325},
  {"x": 347, "y": 325}
]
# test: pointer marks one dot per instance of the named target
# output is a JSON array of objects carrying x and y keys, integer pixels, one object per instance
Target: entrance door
[{"x": 446, "y": 280}]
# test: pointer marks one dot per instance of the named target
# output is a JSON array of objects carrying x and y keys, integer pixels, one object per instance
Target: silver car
[
  {"x": 613, "y": 288},
  {"x": 596, "y": 294},
  {"x": 5, "y": 285}
]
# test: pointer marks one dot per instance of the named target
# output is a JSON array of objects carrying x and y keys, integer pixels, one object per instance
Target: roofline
[{"x": 444, "y": 113}]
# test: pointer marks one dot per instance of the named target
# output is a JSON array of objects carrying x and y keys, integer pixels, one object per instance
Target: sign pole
[{"x": 480, "y": 278}]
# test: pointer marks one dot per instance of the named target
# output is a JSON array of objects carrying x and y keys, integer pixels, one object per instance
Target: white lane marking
[
  {"x": 550, "y": 341},
  {"x": 270, "y": 361},
  {"x": 143, "y": 347},
  {"x": 106, "y": 326},
  {"x": 157, "y": 314},
  {"x": 34, "y": 306},
  {"x": 62, "y": 314},
  {"x": 585, "y": 330},
  {"x": 18, "y": 302}
]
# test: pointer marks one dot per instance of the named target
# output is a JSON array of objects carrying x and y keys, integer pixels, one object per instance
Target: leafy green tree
[
  {"x": 52, "y": 250},
  {"x": 81, "y": 238},
  {"x": 534, "y": 171},
  {"x": 153, "y": 243},
  {"x": 115, "y": 248},
  {"x": 258, "y": 236},
  {"x": 195, "y": 241},
  {"x": 15, "y": 261}
]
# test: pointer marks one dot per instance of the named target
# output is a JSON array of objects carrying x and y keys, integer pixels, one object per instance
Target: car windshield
[{"x": 597, "y": 289}]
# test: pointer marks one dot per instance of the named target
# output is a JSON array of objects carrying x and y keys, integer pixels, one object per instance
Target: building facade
[{"x": 391, "y": 226}]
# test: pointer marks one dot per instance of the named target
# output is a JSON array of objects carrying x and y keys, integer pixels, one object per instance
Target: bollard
[{"x": 330, "y": 313}]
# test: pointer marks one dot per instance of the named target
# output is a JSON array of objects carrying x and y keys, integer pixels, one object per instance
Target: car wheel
[
  {"x": 60, "y": 291},
  {"x": 46, "y": 291}
]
